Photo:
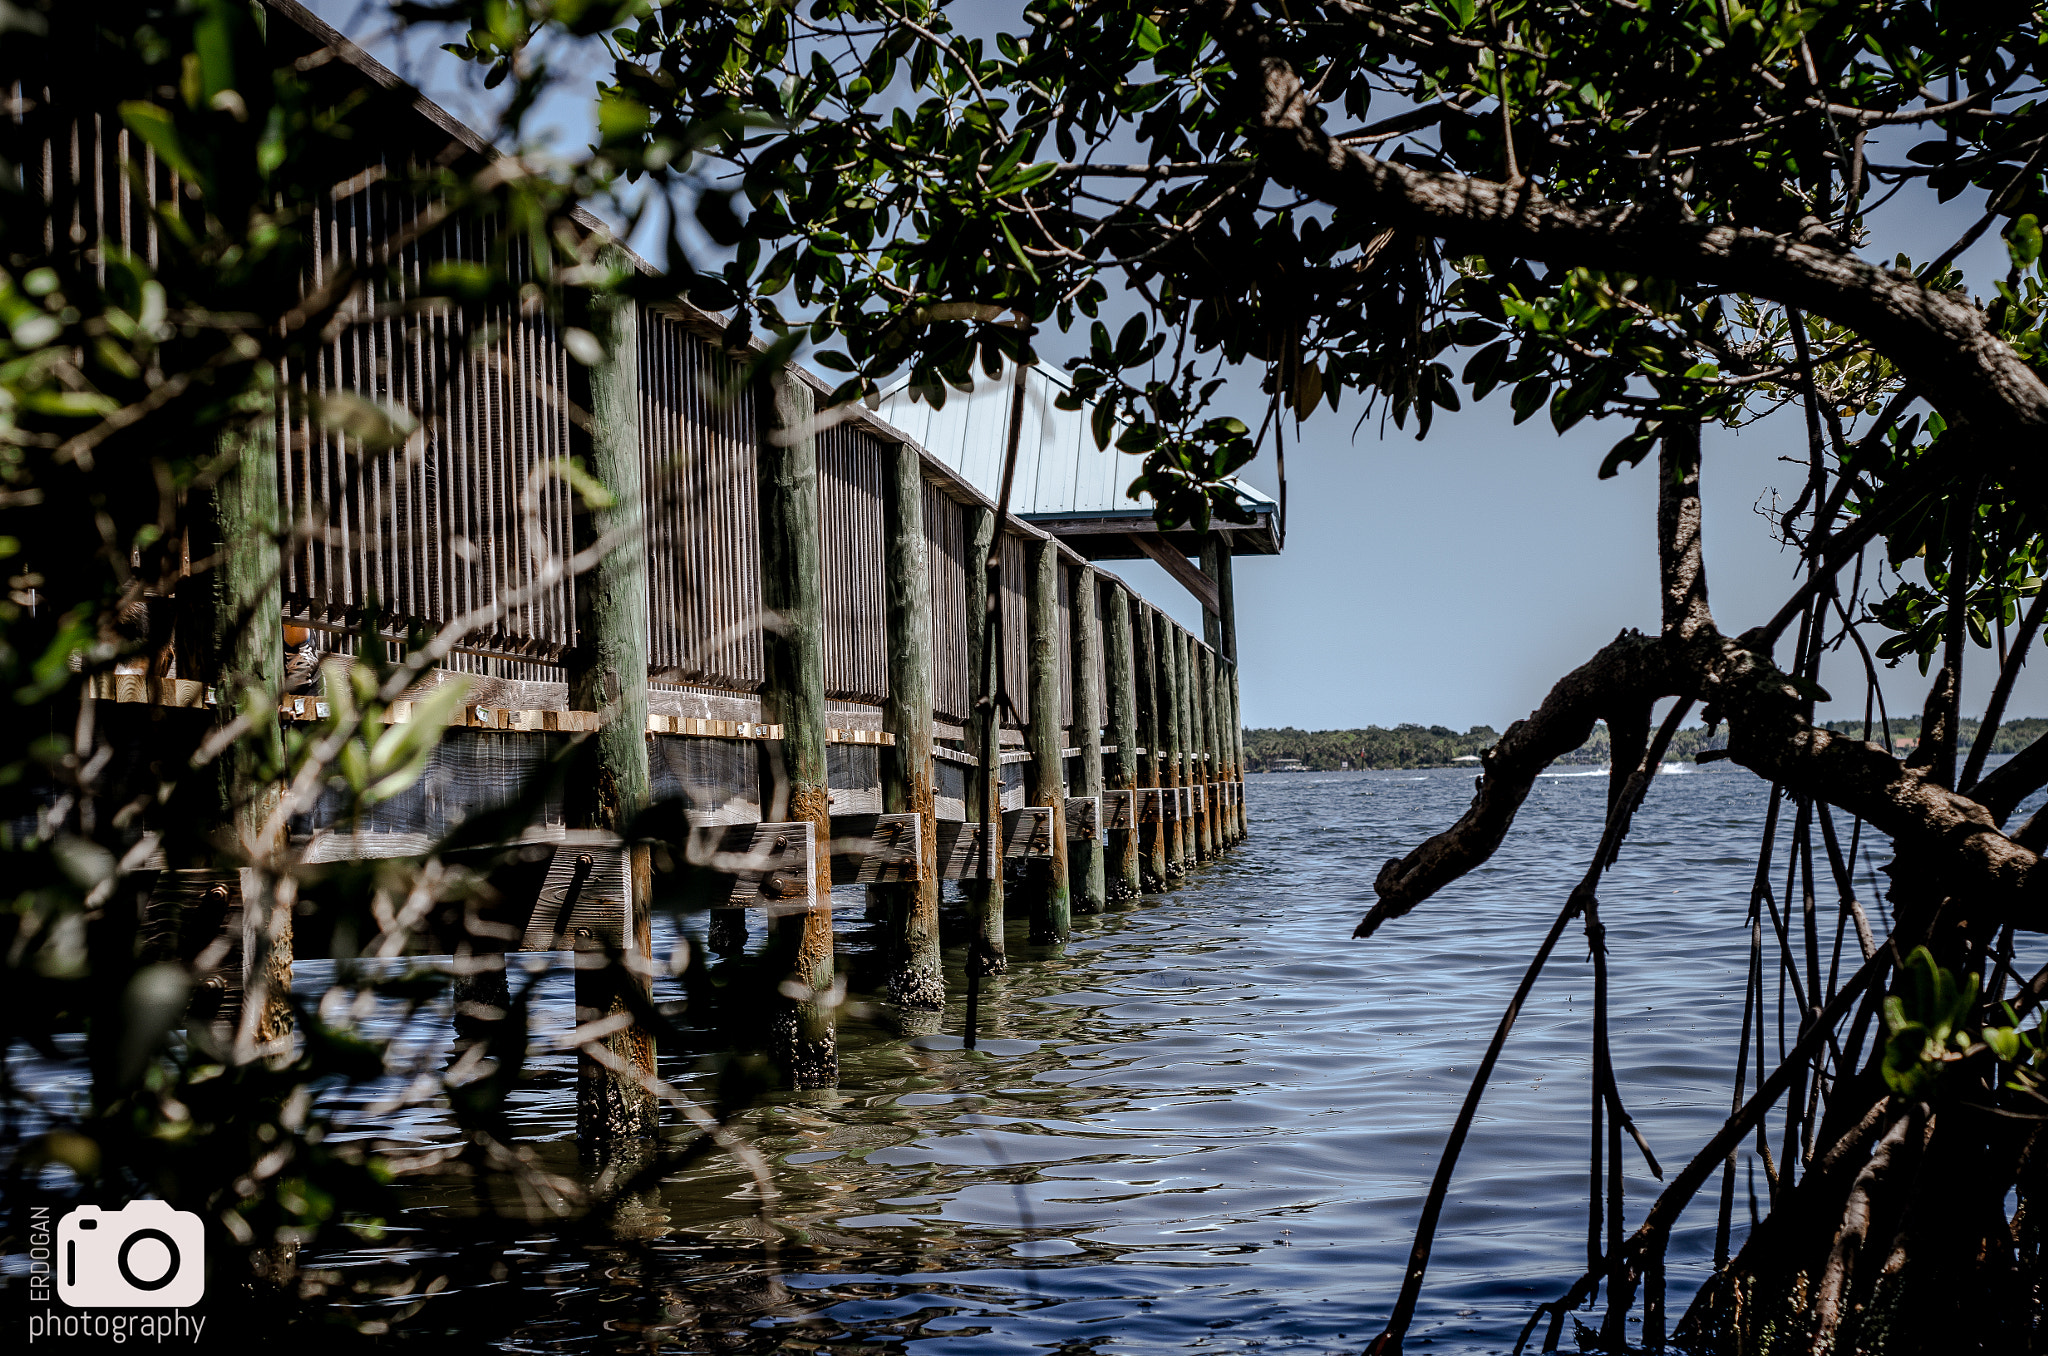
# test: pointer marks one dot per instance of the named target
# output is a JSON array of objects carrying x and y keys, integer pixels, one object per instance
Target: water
[{"x": 1208, "y": 1124}]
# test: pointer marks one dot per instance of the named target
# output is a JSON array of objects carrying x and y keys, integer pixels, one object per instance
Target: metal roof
[{"x": 1062, "y": 476}]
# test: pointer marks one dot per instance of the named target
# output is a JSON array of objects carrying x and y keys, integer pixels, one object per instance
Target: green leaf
[
  {"x": 156, "y": 126},
  {"x": 1102, "y": 422},
  {"x": 2023, "y": 240},
  {"x": 1630, "y": 451},
  {"x": 1529, "y": 397},
  {"x": 1482, "y": 373},
  {"x": 69, "y": 404}
]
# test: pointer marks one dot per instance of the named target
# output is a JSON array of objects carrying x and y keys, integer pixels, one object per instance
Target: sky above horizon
[{"x": 1451, "y": 581}]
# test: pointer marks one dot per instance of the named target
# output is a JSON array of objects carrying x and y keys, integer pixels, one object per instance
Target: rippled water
[{"x": 1209, "y": 1121}]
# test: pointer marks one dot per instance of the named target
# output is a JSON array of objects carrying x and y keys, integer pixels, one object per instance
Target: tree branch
[{"x": 1940, "y": 343}]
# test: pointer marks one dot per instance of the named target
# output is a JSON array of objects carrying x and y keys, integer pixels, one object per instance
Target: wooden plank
[
  {"x": 195, "y": 918},
  {"x": 1028, "y": 832},
  {"x": 140, "y": 688},
  {"x": 698, "y": 727},
  {"x": 876, "y": 737},
  {"x": 1117, "y": 815},
  {"x": 1084, "y": 815},
  {"x": 959, "y": 852},
  {"x": 586, "y": 893},
  {"x": 183, "y": 692},
  {"x": 878, "y": 849},
  {"x": 767, "y": 868},
  {"x": 1149, "y": 804}
]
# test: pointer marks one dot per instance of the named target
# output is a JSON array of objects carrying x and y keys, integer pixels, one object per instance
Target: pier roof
[{"x": 1065, "y": 484}]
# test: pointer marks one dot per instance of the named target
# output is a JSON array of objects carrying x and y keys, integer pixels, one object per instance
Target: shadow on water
[{"x": 1207, "y": 1124}]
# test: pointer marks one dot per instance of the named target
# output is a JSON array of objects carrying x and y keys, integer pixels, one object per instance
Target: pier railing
[{"x": 804, "y": 594}]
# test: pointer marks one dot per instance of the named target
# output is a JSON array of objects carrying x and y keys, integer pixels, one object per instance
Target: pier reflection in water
[{"x": 1206, "y": 1124}]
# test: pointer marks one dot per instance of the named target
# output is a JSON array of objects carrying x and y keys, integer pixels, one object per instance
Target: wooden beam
[
  {"x": 1031, "y": 832},
  {"x": 1177, "y": 565},
  {"x": 886, "y": 849}
]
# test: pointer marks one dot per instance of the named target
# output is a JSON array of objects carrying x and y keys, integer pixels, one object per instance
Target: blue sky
[{"x": 1450, "y": 581}]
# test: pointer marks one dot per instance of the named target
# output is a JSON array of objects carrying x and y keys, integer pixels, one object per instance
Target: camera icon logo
[{"x": 143, "y": 1256}]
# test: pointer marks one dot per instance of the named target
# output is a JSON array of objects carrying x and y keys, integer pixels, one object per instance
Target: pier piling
[
  {"x": 1091, "y": 894},
  {"x": 916, "y": 979},
  {"x": 247, "y": 642},
  {"x": 801, "y": 1036},
  {"x": 1121, "y": 849},
  {"x": 607, "y": 674},
  {"x": 1052, "y": 900},
  {"x": 985, "y": 948}
]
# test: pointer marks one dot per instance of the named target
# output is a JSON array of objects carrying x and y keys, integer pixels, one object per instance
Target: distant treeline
[
  {"x": 1372, "y": 747},
  {"x": 2013, "y": 735},
  {"x": 1407, "y": 746}
]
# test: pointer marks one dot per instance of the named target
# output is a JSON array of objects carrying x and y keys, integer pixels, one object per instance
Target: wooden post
[
  {"x": 1184, "y": 743},
  {"x": 1205, "y": 846},
  {"x": 1169, "y": 744},
  {"x": 607, "y": 673},
  {"x": 1151, "y": 731},
  {"x": 984, "y": 890},
  {"x": 801, "y": 1036},
  {"x": 916, "y": 976},
  {"x": 1226, "y": 718},
  {"x": 1051, "y": 914},
  {"x": 1093, "y": 894},
  {"x": 1237, "y": 743},
  {"x": 1204, "y": 693},
  {"x": 1120, "y": 673},
  {"x": 1219, "y": 628},
  {"x": 1219, "y": 744},
  {"x": 246, "y": 636}
]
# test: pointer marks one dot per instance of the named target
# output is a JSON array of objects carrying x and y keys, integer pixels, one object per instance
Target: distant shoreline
[{"x": 1421, "y": 747}]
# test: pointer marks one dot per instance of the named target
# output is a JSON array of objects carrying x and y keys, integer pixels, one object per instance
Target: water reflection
[{"x": 1207, "y": 1124}]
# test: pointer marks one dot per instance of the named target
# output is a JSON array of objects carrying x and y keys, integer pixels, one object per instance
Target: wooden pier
[{"x": 763, "y": 685}]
